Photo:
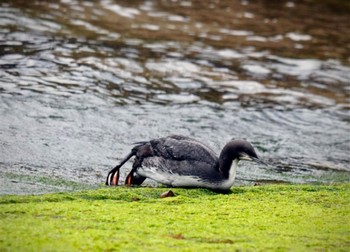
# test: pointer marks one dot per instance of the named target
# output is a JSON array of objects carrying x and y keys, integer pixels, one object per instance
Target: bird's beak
[
  {"x": 258, "y": 160},
  {"x": 250, "y": 158}
]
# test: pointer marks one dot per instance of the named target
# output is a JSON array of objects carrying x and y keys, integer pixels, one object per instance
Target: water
[{"x": 80, "y": 81}]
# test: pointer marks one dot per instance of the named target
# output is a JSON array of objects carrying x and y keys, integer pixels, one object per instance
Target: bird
[{"x": 181, "y": 161}]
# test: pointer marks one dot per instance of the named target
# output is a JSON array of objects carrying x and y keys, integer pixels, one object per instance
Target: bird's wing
[{"x": 184, "y": 148}]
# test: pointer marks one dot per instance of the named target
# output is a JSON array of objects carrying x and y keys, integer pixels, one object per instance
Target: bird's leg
[
  {"x": 113, "y": 175},
  {"x": 129, "y": 179},
  {"x": 134, "y": 179}
]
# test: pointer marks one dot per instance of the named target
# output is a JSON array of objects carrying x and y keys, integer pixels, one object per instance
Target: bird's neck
[
  {"x": 228, "y": 163},
  {"x": 228, "y": 168}
]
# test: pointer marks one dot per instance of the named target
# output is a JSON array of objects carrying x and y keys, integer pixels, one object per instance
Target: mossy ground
[{"x": 270, "y": 217}]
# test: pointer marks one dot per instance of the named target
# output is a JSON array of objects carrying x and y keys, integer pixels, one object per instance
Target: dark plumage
[{"x": 181, "y": 161}]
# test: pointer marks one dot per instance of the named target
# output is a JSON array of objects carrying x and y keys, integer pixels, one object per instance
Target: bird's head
[{"x": 242, "y": 150}]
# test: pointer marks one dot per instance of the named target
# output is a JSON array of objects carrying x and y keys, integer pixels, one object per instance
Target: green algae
[
  {"x": 269, "y": 217},
  {"x": 24, "y": 184}
]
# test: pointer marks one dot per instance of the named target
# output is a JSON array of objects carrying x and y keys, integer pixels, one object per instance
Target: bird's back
[{"x": 177, "y": 147}]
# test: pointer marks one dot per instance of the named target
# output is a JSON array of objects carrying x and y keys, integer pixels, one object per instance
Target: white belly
[{"x": 170, "y": 179}]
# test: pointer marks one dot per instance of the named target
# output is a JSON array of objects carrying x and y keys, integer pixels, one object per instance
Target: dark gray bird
[{"x": 181, "y": 161}]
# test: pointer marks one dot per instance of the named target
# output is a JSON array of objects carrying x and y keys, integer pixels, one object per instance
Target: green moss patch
[{"x": 270, "y": 217}]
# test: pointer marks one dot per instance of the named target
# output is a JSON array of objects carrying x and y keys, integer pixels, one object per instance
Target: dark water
[{"x": 82, "y": 80}]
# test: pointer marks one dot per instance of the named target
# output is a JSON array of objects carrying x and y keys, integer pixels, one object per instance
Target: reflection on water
[{"x": 81, "y": 80}]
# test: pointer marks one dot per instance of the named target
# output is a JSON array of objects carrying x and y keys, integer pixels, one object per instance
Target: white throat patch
[{"x": 227, "y": 184}]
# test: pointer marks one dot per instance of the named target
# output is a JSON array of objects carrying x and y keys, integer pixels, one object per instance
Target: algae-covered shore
[{"x": 249, "y": 218}]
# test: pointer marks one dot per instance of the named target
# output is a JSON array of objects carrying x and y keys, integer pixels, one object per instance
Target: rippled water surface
[{"x": 80, "y": 81}]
